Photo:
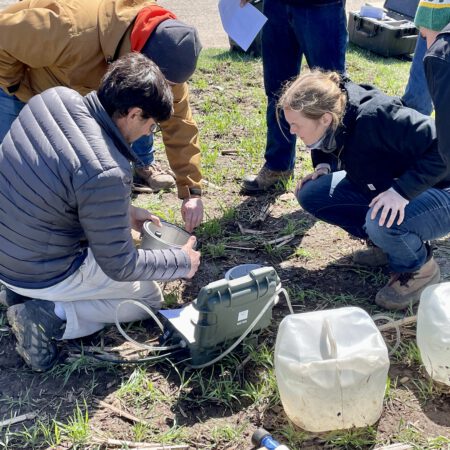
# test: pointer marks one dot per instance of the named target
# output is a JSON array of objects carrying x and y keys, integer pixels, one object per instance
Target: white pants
[{"x": 89, "y": 299}]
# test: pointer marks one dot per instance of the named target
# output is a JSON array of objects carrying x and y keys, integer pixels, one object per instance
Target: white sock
[{"x": 60, "y": 311}]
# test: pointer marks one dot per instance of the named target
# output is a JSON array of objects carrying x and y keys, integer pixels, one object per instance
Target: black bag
[{"x": 393, "y": 35}]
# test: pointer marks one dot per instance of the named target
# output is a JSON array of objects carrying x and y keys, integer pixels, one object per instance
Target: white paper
[
  {"x": 183, "y": 319},
  {"x": 241, "y": 24}
]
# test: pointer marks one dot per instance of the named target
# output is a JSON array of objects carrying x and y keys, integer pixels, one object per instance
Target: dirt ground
[{"x": 316, "y": 267}]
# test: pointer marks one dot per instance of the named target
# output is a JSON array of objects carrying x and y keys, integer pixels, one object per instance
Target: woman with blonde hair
[{"x": 391, "y": 184}]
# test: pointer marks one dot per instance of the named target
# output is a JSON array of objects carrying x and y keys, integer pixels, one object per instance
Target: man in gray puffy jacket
[{"x": 65, "y": 232}]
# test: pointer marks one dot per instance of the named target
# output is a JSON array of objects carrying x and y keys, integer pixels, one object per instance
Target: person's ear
[
  {"x": 326, "y": 119},
  {"x": 134, "y": 113}
]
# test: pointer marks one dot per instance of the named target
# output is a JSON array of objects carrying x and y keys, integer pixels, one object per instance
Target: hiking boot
[
  {"x": 155, "y": 177},
  {"x": 36, "y": 326},
  {"x": 9, "y": 298},
  {"x": 265, "y": 180},
  {"x": 404, "y": 289},
  {"x": 371, "y": 256}
]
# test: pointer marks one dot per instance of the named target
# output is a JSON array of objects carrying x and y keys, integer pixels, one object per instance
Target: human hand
[
  {"x": 192, "y": 213},
  {"x": 391, "y": 203},
  {"x": 312, "y": 176},
  {"x": 193, "y": 255},
  {"x": 244, "y": 2},
  {"x": 140, "y": 215}
]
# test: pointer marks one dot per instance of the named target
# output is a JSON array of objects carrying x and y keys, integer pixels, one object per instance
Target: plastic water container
[
  {"x": 433, "y": 331},
  {"x": 164, "y": 237},
  {"x": 331, "y": 368}
]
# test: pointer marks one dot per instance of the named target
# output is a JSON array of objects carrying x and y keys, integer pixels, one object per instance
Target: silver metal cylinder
[{"x": 166, "y": 236}]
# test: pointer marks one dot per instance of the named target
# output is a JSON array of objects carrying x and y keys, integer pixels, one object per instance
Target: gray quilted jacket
[{"x": 65, "y": 181}]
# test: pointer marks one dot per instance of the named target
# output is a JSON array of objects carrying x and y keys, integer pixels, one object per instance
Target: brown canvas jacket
[{"x": 48, "y": 43}]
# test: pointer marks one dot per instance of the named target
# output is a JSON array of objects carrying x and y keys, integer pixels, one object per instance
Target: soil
[{"x": 316, "y": 267}]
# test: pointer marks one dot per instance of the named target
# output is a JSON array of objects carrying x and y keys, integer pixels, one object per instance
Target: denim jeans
[
  {"x": 317, "y": 32},
  {"x": 336, "y": 200},
  {"x": 10, "y": 107},
  {"x": 416, "y": 94},
  {"x": 143, "y": 147}
]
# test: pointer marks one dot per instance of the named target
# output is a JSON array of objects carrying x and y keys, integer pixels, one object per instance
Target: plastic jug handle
[{"x": 331, "y": 341}]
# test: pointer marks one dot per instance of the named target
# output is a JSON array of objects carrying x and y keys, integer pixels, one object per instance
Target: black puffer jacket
[
  {"x": 383, "y": 144},
  {"x": 65, "y": 179},
  {"x": 437, "y": 70}
]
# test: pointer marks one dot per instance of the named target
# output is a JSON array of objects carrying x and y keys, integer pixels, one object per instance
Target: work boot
[
  {"x": 156, "y": 178},
  {"x": 371, "y": 256},
  {"x": 404, "y": 289},
  {"x": 265, "y": 180},
  {"x": 9, "y": 298},
  {"x": 36, "y": 326}
]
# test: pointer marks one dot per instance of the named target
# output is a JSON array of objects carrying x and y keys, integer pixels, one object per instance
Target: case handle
[
  {"x": 367, "y": 34},
  {"x": 359, "y": 29},
  {"x": 329, "y": 349}
]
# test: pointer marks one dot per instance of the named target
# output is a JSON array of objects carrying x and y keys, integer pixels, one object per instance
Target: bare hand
[
  {"x": 391, "y": 203},
  {"x": 140, "y": 215},
  {"x": 244, "y": 2},
  {"x": 193, "y": 255},
  {"x": 192, "y": 213},
  {"x": 312, "y": 176}
]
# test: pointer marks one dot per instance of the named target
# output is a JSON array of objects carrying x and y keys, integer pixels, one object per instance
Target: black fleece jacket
[
  {"x": 383, "y": 144},
  {"x": 437, "y": 71}
]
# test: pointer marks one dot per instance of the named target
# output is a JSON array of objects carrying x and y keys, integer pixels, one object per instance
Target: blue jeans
[
  {"x": 143, "y": 147},
  {"x": 336, "y": 200},
  {"x": 417, "y": 95},
  {"x": 317, "y": 32},
  {"x": 10, "y": 107}
]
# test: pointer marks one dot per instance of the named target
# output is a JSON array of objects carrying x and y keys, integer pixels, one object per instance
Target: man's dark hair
[{"x": 135, "y": 81}]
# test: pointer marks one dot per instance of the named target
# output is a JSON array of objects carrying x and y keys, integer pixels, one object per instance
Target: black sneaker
[
  {"x": 36, "y": 326},
  {"x": 9, "y": 298}
]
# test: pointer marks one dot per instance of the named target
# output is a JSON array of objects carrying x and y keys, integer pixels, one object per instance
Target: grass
[
  {"x": 219, "y": 407},
  {"x": 140, "y": 389}
]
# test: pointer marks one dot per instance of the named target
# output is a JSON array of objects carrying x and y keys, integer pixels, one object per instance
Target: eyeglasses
[{"x": 155, "y": 128}]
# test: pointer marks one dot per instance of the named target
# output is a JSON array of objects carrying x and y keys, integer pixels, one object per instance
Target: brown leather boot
[
  {"x": 404, "y": 289},
  {"x": 371, "y": 256},
  {"x": 265, "y": 180},
  {"x": 155, "y": 177}
]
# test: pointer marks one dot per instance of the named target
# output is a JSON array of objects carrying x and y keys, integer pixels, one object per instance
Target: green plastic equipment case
[{"x": 223, "y": 312}]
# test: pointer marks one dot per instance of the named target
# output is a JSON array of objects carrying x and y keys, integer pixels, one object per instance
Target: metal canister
[{"x": 164, "y": 237}]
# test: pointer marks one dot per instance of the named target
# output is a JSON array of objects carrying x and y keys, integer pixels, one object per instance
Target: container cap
[
  {"x": 258, "y": 436},
  {"x": 241, "y": 271}
]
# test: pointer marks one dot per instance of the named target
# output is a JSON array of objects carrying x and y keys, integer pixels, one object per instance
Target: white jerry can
[
  {"x": 433, "y": 331},
  {"x": 331, "y": 368}
]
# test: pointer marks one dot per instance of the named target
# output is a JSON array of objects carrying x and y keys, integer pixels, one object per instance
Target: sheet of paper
[
  {"x": 241, "y": 24},
  {"x": 183, "y": 319}
]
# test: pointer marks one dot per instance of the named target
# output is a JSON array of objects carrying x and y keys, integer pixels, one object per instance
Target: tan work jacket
[{"x": 47, "y": 43}]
